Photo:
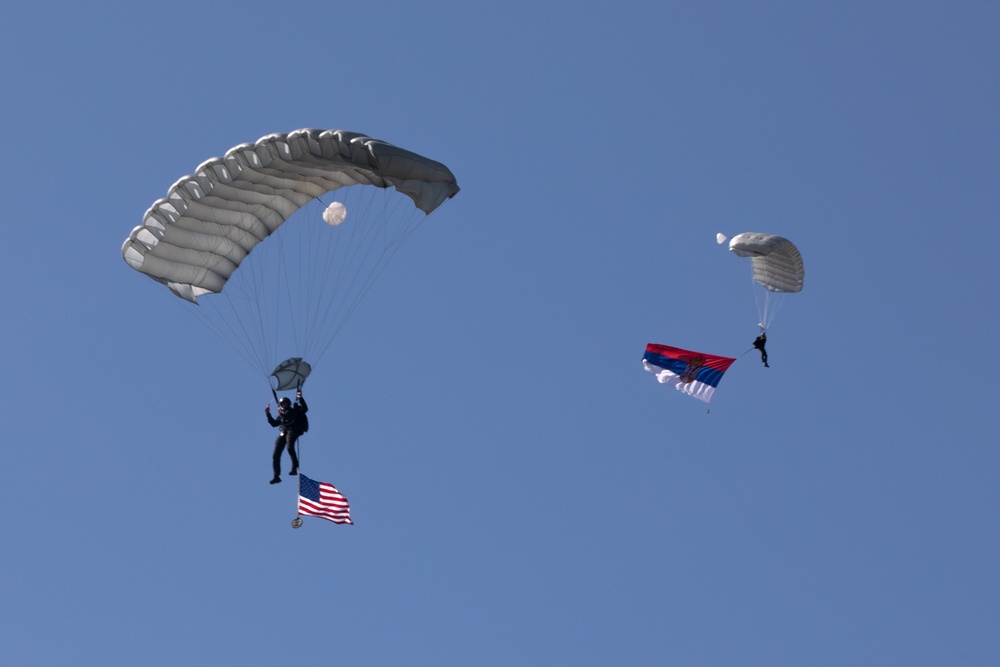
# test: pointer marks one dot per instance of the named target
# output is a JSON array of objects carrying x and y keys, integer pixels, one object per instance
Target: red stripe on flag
[{"x": 332, "y": 505}]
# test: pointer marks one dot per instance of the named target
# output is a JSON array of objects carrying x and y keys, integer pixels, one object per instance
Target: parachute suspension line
[
  {"x": 261, "y": 296},
  {"x": 298, "y": 451},
  {"x": 230, "y": 338},
  {"x": 309, "y": 295},
  {"x": 307, "y": 278},
  {"x": 766, "y": 316},
  {"x": 232, "y": 330},
  {"x": 772, "y": 304},
  {"x": 311, "y": 254},
  {"x": 209, "y": 239},
  {"x": 292, "y": 287},
  {"x": 296, "y": 291},
  {"x": 341, "y": 267},
  {"x": 360, "y": 253},
  {"x": 768, "y": 304},
  {"x": 385, "y": 220},
  {"x": 267, "y": 303},
  {"x": 247, "y": 312},
  {"x": 197, "y": 313},
  {"x": 760, "y": 300},
  {"x": 390, "y": 245}
]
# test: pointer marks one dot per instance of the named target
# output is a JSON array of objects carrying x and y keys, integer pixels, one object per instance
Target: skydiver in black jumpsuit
[
  {"x": 291, "y": 421},
  {"x": 759, "y": 343}
]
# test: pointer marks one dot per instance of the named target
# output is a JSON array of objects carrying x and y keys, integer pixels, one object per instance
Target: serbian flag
[{"x": 694, "y": 373}]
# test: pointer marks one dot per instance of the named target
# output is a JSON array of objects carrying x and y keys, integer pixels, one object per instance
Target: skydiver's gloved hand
[
  {"x": 267, "y": 408},
  {"x": 298, "y": 394}
]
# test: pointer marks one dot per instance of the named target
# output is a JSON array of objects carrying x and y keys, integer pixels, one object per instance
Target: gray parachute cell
[
  {"x": 777, "y": 264},
  {"x": 195, "y": 238}
]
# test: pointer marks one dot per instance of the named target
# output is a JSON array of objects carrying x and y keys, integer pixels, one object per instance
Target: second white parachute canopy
[{"x": 777, "y": 264}]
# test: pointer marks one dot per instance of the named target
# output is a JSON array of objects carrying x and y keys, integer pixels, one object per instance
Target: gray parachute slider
[{"x": 291, "y": 373}]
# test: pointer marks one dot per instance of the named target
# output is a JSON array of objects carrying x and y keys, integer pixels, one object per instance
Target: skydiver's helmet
[{"x": 284, "y": 403}]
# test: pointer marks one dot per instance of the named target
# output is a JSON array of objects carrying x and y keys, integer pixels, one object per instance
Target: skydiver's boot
[
  {"x": 294, "y": 472},
  {"x": 276, "y": 467}
]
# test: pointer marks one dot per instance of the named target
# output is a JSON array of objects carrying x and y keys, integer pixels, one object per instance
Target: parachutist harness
[
  {"x": 297, "y": 521},
  {"x": 301, "y": 432}
]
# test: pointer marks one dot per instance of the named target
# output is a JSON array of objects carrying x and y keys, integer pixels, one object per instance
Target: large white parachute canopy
[
  {"x": 221, "y": 232},
  {"x": 777, "y": 267}
]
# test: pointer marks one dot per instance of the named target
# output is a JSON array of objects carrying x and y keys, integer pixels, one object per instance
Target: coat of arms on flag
[{"x": 694, "y": 373}]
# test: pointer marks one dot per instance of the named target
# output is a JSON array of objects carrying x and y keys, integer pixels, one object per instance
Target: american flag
[{"x": 322, "y": 500}]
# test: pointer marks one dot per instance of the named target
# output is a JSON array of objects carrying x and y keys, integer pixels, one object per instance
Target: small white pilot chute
[{"x": 334, "y": 214}]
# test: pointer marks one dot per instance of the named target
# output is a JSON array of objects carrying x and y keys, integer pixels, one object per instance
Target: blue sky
[{"x": 524, "y": 493}]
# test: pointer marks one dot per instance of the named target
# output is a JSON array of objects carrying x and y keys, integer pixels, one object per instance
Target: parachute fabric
[
  {"x": 777, "y": 264},
  {"x": 291, "y": 374},
  {"x": 194, "y": 239}
]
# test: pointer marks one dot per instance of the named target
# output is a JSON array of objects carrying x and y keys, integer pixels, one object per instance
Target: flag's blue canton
[{"x": 308, "y": 488}]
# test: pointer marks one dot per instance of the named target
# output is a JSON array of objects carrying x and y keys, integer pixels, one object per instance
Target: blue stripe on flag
[{"x": 709, "y": 376}]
